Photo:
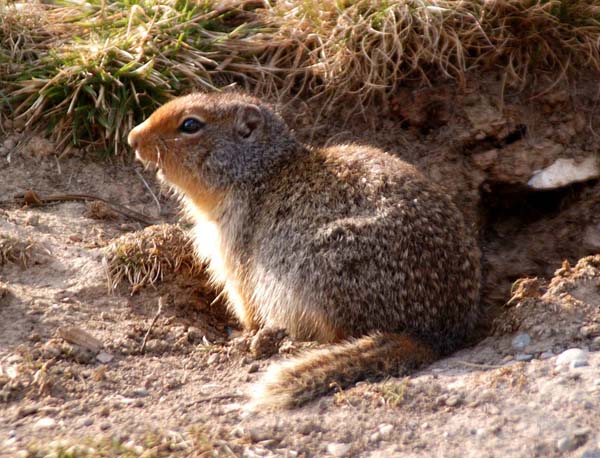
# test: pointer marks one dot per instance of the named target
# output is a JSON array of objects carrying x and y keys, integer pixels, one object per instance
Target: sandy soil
[{"x": 516, "y": 393}]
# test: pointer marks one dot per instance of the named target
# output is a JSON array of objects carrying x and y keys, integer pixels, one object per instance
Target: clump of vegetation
[
  {"x": 15, "y": 250},
  {"x": 370, "y": 47},
  {"x": 146, "y": 257},
  {"x": 92, "y": 70},
  {"x": 393, "y": 392}
]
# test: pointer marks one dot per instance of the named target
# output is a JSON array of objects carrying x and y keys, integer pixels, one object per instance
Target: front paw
[{"x": 266, "y": 342}]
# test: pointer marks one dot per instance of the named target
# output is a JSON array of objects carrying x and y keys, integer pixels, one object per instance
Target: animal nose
[{"x": 132, "y": 138}]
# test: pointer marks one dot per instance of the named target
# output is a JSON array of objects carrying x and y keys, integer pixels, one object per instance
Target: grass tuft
[
  {"x": 15, "y": 251},
  {"x": 92, "y": 70},
  {"x": 107, "y": 65},
  {"x": 393, "y": 392},
  {"x": 146, "y": 257}
]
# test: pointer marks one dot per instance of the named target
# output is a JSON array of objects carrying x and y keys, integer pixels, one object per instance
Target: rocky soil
[{"x": 86, "y": 370}]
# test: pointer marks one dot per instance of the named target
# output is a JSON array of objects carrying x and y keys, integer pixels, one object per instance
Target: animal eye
[{"x": 191, "y": 125}]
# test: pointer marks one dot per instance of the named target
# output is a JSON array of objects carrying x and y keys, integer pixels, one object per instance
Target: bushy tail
[{"x": 308, "y": 376}]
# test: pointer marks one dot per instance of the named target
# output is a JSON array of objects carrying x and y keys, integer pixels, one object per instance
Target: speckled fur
[{"x": 343, "y": 243}]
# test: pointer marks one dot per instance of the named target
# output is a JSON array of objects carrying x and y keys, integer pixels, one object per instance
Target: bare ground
[{"x": 184, "y": 394}]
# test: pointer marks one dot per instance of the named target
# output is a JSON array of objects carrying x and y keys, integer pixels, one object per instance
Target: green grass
[
  {"x": 109, "y": 67},
  {"x": 89, "y": 72}
]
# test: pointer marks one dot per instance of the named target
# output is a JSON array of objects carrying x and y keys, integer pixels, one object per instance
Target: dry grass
[
  {"x": 15, "y": 251},
  {"x": 369, "y": 48},
  {"x": 146, "y": 257},
  {"x": 92, "y": 71},
  {"x": 393, "y": 393},
  {"x": 159, "y": 444}
]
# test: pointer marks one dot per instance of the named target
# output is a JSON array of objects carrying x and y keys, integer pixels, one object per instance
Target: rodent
[{"x": 346, "y": 245}]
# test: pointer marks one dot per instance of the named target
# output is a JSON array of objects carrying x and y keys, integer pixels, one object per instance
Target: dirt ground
[{"x": 175, "y": 383}]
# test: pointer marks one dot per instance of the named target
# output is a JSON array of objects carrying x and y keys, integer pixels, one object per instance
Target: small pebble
[
  {"x": 386, "y": 430},
  {"x": 565, "y": 444},
  {"x": 87, "y": 422},
  {"x": 338, "y": 449},
  {"x": 521, "y": 341},
  {"x": 253, "y": 368},
  {"x": 493, "y": 410},
  {"x": 32, "y": 220},
  {"x": 105, "y": 426},
  {"x": 524, "y": 357},
  {"x": 259, "y": 435},
  {"x": 452, "y": 401},
  {"x": 104, "y": 357},
  {"x": 45, "y": 422},
  {"x": 567, "y": 357},
  {"x": 308, "y": 428},
  {"x": 546, "y": 355},
  {"x": 141, "y": 392}
]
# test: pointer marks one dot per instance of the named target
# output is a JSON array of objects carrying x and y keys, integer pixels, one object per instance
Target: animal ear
[{"x": 248, "y": 120}]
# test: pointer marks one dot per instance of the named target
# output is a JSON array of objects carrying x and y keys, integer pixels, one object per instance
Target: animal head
[{"x": 205, "y": 143}]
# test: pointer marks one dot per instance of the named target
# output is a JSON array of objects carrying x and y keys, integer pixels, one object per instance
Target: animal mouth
[{"x": 147, "y": 163}]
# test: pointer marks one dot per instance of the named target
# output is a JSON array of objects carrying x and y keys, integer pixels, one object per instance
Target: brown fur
[{"x": 331, "y": 244}]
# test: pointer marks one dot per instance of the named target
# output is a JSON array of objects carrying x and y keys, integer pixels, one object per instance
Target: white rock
[
  {"x": 45, "y": 422},
  {"x": 565, "y": 171},
  {"x": 385, "y": 430},
  {"x": 258, "y": 434},
  {"x": 565, "y": 444},
  {"x": 104, "y": 357},
  {"x": 569, "y": 357},
  {"x": 338, "y": 449}
]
